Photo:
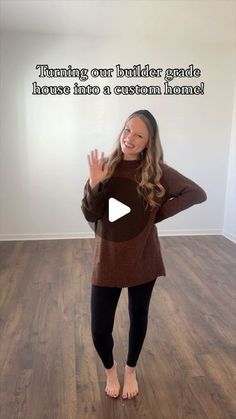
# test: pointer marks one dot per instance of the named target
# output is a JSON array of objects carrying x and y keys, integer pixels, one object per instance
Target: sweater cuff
[{"x": 96, "y": 189}]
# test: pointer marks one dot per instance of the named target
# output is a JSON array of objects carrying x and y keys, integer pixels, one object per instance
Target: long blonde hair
[{"x": 149, "y": 186}]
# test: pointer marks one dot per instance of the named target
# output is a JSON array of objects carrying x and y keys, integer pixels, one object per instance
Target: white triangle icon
[{"x": 116, "y": 209}]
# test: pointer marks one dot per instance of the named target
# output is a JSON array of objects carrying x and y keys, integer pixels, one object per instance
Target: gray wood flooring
[{"x": 49, "y": 367}]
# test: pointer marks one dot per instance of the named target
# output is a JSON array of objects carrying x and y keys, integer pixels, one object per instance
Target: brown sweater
[{"x": 137, "y": 260}]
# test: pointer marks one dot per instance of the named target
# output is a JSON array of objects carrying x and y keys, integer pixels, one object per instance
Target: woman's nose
[{"x": 130, "y": 136}]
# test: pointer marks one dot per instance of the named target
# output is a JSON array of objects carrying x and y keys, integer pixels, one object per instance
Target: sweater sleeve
[
  {"x": 94, "y": 202},
  {"x": 181, "y": 194}
]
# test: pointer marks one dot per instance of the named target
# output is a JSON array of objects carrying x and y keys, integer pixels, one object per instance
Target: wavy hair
[{"x": 149, "y": 186}]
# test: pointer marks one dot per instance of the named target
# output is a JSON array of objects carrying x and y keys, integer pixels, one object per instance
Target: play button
[
  {"x": 116, "y": 210},
  {"x": 124, "y": 214}
]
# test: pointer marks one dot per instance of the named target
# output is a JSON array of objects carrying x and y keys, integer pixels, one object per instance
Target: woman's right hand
[{"x": 97, "y": 167}]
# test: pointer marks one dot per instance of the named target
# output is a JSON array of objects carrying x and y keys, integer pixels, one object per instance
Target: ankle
[{"x": 129, "y": 369}]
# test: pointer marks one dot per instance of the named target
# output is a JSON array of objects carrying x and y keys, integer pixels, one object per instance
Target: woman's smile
[{"x": 128, "y": 145}]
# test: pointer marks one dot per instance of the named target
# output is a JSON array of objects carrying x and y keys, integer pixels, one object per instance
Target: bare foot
[
  {"x": 113, "y": 386},
  {"x": 130, "y": 389}
]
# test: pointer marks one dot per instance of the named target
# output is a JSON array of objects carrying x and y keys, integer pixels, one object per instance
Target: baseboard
[
  {"x": 163, "y": 233},
  {"x": 46, "y": 236},
  {"x": 90, "y": 235},
  {"x": 229, "y": 236}
]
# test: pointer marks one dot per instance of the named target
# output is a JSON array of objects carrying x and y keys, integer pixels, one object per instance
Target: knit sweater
[{"x": 137, "y": 260}]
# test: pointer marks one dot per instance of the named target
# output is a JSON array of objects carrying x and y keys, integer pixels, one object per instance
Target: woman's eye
[{"x": 140, "y": 136}]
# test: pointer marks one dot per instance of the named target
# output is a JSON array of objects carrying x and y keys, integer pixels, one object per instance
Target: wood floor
[{"x": 49, "y": 367}]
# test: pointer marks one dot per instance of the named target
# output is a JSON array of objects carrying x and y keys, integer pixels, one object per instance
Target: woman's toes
[
  {"x": 113, "y": 387},
  {"x": 130, "y": 389}
]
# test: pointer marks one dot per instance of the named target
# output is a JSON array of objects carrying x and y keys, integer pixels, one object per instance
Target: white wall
[
  {"x": 230, "y": 200},
  {"x": 44, "y": 140}
]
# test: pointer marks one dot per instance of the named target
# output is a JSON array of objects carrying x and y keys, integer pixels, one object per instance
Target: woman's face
[{"x": 134, "y": 138}]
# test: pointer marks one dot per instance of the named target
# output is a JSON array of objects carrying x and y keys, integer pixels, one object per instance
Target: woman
[{"x": 135, "y": 263}]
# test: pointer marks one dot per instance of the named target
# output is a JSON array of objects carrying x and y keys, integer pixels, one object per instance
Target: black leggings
[{"x": 103, "y": 307}]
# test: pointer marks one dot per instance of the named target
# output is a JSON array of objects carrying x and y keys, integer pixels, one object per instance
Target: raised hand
[{"x": 98, "y": 168}]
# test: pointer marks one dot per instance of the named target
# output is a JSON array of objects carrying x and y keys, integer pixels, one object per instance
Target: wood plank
[{"x": 49, "y": 367}]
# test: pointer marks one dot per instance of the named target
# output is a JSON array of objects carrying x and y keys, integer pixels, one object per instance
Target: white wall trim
[
  {"x": 90, "y": 235},
  {"x": 166, "y": 233},
  {"x": 46, "y": 236},
  {"x": 229, "y": 236}
]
